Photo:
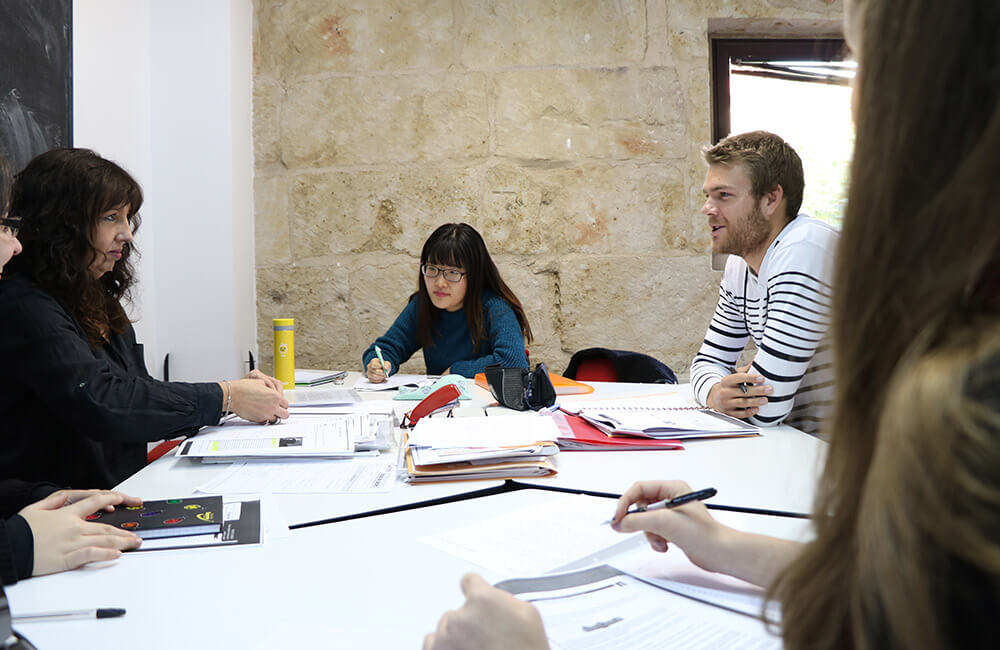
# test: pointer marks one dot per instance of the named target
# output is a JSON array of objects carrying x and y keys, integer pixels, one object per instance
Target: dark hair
[
  {"x": 769, "y": 161},
  {"x": 459, "y": 245},
  {"x": 59, "y": 196},
  {"x": 4, "y": 185},
  {"x": 916, "y": 272}
]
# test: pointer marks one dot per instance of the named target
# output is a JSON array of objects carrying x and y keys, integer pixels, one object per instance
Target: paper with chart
[
  {"x": 303, "y": 477},
  {"x": 293, "y": 438},
  {"x": 561, "y": 533},
  {"x": 602, "y": 607}
]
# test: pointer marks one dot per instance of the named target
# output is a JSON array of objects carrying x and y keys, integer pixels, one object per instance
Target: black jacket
[
  {"x": 77, "y": 415},
  {"x": 17, "y": 552}
]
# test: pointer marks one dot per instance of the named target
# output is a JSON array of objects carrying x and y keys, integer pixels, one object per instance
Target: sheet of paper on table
[
  {"x": 303, "y": 477},
  {"x": 369, "y": 406},
  {"x": 392, "y": 383},
  {"x": 306, "y": 397},
  {"x": 556, "y": 535},
  {"x": 602, "y": 608}
]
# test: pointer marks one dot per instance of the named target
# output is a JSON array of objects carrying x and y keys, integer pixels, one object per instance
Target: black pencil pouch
[{"x": 521, "y": 389}]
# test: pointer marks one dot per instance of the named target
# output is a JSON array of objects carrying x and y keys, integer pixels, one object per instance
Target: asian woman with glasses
[{"x": 463, "y": 315}]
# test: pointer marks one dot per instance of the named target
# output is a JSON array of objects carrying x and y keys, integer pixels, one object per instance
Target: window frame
[{"x": 725, "y": 49}]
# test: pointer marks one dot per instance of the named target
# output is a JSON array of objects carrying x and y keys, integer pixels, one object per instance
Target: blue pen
[
  {"x": 548, "y": 409},
  {"x": 378, "y": 353}
]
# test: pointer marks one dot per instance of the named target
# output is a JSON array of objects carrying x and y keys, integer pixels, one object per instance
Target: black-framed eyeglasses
[
  {"x": 8, "y": 637},
  {"x": 451, "y": 275},
  {"x": 10, "y": 225}
]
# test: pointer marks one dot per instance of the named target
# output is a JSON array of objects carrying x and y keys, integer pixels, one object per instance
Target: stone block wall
[{"x": 566, "y": 131}]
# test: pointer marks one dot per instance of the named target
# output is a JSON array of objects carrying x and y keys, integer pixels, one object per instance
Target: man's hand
[{"x": 740, "y": 394}]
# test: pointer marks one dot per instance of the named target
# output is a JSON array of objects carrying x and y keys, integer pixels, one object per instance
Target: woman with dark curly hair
[{"x": 78, "y": 404}]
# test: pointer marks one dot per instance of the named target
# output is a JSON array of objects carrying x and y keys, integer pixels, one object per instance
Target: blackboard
[{"x": 36, "y": 78}]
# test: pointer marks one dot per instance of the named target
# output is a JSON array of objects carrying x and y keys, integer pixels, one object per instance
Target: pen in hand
[
  {"x": 698, "y": 495},
  {"x": 378, "y": 353}
]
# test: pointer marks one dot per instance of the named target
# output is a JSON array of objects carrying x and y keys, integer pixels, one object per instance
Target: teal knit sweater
[{"x": 453, "y": 347}]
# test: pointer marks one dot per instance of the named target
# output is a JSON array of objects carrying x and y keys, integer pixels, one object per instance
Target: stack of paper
[
  {"x": 449, "y": 449},
  {"x": 343, "y": 436},
  {"x": 301, "y": 397}
]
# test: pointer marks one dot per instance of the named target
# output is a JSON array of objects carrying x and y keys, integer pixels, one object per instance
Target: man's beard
[{"x": 746, "y": 235}]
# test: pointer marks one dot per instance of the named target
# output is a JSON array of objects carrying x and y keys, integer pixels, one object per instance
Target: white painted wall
[{"x": 164, "y": 89}]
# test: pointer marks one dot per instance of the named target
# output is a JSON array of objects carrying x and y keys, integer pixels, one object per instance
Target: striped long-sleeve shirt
[{"x": 785, "y": 308}]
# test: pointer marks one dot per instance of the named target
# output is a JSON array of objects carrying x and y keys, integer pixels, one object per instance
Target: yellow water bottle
[{"x": 284, "y": 352}]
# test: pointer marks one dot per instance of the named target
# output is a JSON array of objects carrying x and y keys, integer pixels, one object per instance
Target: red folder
[{"x": 576, "y": 434}]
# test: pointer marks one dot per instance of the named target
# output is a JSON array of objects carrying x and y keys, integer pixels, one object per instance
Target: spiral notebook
[{"x": 664, "y": 422}]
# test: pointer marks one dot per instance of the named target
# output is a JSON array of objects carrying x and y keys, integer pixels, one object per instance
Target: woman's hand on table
[
  {"x": 256, "y": 400},
  {"x": 64, "y": 539},
  {"x": 490, "y": 619}
]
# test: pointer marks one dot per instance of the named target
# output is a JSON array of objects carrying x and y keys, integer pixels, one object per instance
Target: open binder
[{"x": 664, "y": 422}]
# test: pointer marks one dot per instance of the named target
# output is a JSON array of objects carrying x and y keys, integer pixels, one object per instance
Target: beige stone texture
[
  {"x": 317, "y": 298},
  {"x": 310, "y": 37},
  {"x": 534, "y": 280},
  {"x": 384, "y": 119},
  {"x": 662, "y": 310},
  {"x": 568, "y": 132},
  {"x": 497, "y": 33},
  {"x": 618, "y": 114},
  {"x": 266, "y": 98},
  {"x": 271, "y": 227},
  {"x": 589, "y": 208},
  {"x": 341, "y": 212}
]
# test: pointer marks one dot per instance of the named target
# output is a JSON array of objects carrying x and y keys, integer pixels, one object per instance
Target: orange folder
[{"x": 563, "y": 385}]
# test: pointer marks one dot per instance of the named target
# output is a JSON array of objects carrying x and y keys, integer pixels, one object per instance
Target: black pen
[
  {"x": 101, "y": 612},
  {"x": 699, "y": 495}
]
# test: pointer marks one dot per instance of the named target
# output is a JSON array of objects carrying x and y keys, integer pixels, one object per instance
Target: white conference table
[
  {"x": 776, "y": 472},
  {"x": 171, "y": 476},
  {"x": 363, "y": 583}
]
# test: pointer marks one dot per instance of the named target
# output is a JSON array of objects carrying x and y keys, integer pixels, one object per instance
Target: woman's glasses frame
[{"x": 451, "y": 275}]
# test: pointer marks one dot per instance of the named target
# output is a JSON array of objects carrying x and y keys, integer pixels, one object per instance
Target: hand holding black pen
[
  {"x": 740, "y": 395},
  {"x": 688, "y": 497},
  {"x": 691, "y": 527}
]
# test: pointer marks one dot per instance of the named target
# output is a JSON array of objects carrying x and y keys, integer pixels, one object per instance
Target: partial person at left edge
[
  {"x": 77, "y": 402},
  {"x": 42, "y": 528}
]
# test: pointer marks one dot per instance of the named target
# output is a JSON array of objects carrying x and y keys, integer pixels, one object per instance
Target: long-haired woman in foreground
[{"x": 907, "y": 517}]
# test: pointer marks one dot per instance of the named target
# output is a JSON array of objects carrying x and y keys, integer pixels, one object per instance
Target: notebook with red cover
[{"x": 576, "y": 434}]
